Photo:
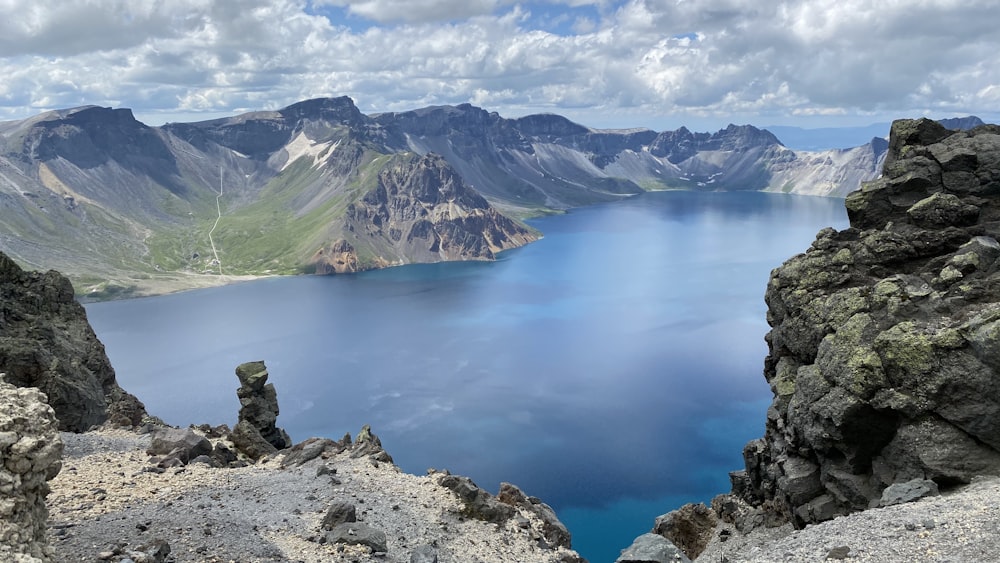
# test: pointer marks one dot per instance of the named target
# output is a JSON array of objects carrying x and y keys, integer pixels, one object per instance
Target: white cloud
[
  {"x": 634, "y": 62},
  {"x": 386, "y": 11}
]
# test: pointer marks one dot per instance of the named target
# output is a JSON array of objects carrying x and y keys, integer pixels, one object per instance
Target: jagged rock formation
[
  {"x": 30, "y": 456},
  {"x": 689, "y": 528},
  {"x": 884, "y": 345},
  {"x": 479, "y": 504},
  {"x": 46, "y": 342},
  {"x": 420, "y": 211},
  {"x": 256, "y": 433}
]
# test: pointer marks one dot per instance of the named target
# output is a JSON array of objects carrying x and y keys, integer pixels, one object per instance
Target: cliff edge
[
  {"x": 885, "y": 343},
  {"x": 47, "y": 342}
]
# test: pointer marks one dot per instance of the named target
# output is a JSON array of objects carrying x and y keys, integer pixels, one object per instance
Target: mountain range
[{"x": 126, "y": 209}]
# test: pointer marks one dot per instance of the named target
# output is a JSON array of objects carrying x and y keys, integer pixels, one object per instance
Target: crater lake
[{"x": 613, "y": 368}]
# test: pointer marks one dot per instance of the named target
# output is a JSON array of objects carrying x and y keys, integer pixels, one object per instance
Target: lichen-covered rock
[
  {"x": 30, "y": 455},
  {"x": 885, "y": 343},
  {"x": 554, "y": 531},
  {"x": 256, "y": 434},
  {"x": 46, "y": 342},
  {"x": 477, "y": 503},
  {"x": 367, "y": 444}
]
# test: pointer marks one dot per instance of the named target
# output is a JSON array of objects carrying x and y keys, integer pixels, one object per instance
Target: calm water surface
[{"x": 612, "y": 368}]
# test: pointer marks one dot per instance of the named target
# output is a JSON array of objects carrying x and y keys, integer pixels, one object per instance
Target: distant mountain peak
[{"x": 341, "y": 108}]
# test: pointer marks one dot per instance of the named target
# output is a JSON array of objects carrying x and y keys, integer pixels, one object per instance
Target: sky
[{"x": 659, "y": 64}]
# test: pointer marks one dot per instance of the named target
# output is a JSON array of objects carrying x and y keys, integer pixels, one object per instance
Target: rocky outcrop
[
  {"x": 30, "y": 456},
  {"x": 256, "y": 434},
  {"x": 884, "y": 345},
  {"x": 338, "y": 257},
  {"x": 652, "y": 548},
  {"x": 46, "y": 342},
  {"x": 419, "y": 211},
  {"x": 511, "y": 503},
  {"x": 690, "y": 528}
]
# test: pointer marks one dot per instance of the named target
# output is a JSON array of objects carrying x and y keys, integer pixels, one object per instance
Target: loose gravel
[
  {"x": 960, "y": 526},
  {"x": 105, "y": 501}
]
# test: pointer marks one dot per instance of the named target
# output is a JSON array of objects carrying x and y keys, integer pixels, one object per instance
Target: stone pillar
[{"x": 256, "y": 434}]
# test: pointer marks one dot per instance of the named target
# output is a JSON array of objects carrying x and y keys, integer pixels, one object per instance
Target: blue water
[{"x": 612, "y": 368}]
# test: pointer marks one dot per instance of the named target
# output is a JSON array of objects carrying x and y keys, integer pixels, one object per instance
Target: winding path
[{"x": 218, "y": 207}]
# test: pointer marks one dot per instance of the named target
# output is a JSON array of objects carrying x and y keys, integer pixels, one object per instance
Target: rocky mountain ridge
[
  {"x": 128, "y": 206},
  {"x": 125, "y": 209}
]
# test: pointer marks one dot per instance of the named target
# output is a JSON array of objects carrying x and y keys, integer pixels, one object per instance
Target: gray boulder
[
  {"x": 652, "y": 548},
  {"x": 899, "y": 493},
  {"x": 181, "y": 443},
  {"x": 310, "y": 449},
  {"x": 358, "y": 533},
  {"x": 339, "y": 513},
  {"x": 883, "y": 352}
]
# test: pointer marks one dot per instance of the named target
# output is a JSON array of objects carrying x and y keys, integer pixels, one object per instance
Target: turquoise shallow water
[{"x": 612, "y": 368}]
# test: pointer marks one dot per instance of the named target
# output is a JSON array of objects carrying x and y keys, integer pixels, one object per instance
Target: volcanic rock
[
  {"x": 884, "y": 357},
  {"x": 30, "y": 456},
  {"x": 555, "y": 532},
  {"x": 181, "y": 443},
  {"x": 478, "y": 503},
  {"x": 339, "y": 513},
  {"x": 652, "y": 548},
  {"x": 690, "y": 528},
  {"x": 256, "y": 433},
  {"x": 898, "y": 493},
  {"x": 46, "y": 342},
  {"x": 367, "y": 444},
  {"x": 357, "y": 533}
]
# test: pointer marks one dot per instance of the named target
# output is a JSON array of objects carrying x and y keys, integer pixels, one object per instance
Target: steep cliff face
[
  {"x": 833, "y": 173},
  {"x": 46, "y": 342},
  {"x": 420, "y": 210},
  {"x": 885, "y": 336}
]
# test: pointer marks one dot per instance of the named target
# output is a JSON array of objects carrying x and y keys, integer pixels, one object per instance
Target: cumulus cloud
[
  {"x": 626, "y": 62},
  {"x": 416, "y": 10}
]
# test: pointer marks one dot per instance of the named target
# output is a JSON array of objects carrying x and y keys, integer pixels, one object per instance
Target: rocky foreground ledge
[
  {"x": 157, "y": 494},
  {"x": 319, "y": 501}
]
